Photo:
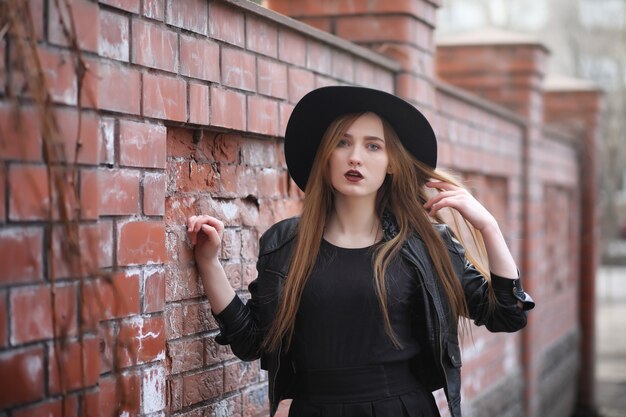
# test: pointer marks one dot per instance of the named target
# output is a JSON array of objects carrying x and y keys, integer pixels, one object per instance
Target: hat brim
[{"x": 319, "y": 108}]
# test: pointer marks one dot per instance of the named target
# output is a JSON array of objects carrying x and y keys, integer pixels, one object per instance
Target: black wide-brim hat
[{"x": 319, "y": 108}]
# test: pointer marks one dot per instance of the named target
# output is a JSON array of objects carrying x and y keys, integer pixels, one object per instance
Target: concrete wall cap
[
  {"x": 558, "y": 82},
  {"x": 488, "y": 36}
]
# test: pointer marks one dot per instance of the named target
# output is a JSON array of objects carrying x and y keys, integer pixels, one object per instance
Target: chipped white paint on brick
[
  {"x": 118, "y": 49},
  {"x": 107, "y": 138},
  {"x": 153, "y": 390},
  {"x": 33, "y": 369},
  {"x": 230, "y": 210},
  {"x": 138, "y": 321}
]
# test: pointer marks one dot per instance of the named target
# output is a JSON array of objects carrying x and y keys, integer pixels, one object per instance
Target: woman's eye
[
  {"x": 342, "y": 142},
  {"x": 373, "y": 146}
]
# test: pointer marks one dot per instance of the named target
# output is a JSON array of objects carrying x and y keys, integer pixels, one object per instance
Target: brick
[
  {"x": 262, "y": 36},
  {"x": 154, "y": 46},
  {"x": 36, "y": 10},
  {"x": 300, "y": 82},
  {"x": 20, "y": 134},
  {"x": 180, "y": 142},
  {"x": 228, "y": 109},
  {"x": 238, "y": 69},
  {"x": 105, "y": 258},
  {"x": 154, "y": 9},
  {"x": 191, "y": 176},
  {"x": 4, "y": 319},
  {"x": 119, "y": 191},
  {"x": 202, "y": 386},
  {"x": 154, "y": 291},
  {"x": 182, "y": 283},
  {"x": 66, "y": 407},
  {"x": 89, "y": 194},
  {"x": 3, "y": 67},
  {"x": 189, "y": 319},
  {"x": 239, "y": 374},
  {"x": 219, "y": 147},
  {"x": 226, "y": 23},
  {"x": 141, "y": 340},
  {"x": 110, "y": 297},
  {"x": 21, "y": 254},
  {"x": 319, "y": 57},
  {"x": 262, "y": 116},
  {"x": 76, "y": 372},
  {"x": 66, "y": 139},
  {"x": 322, "y": 23},
  {"x": 343, "y": 66},
  {"x": 27, "y": 382},
  {"x": 154, "y": 184},
  {"x": 118, "y": 395},
  {"x": 107, "y": 141},
  {"x": 28, "y": 192},
  {"x": 31, "y": 313},
  {"x": 142, "y": 144},
  {"x": 198, "y": 104},
  {"x": 153, "y": 390},
  {"x": 59, "y": 75},
  {"x": 291, "y": 47},
  {"x": 284, "y": 111},
  {"x": 113, "y": 79},
  {"x": 215, "y": 353},
  {"x": 272, "y": 78},
  {"x": 164, "y": 97},
  {"x": 74, "y": 256},
  {"x": 85, "y": 21},
  {"x": 254, "y": 402},
  {"x": 199, "y": 58},
  {"x": 114, "y": 35},
  {"x": 185, "y": 354},
  {"x": 379, "y": 29},
  {"x": 190, "y": 15},
  {"x": 131, "y": 6},
  {"x": 141, "y": 242}
]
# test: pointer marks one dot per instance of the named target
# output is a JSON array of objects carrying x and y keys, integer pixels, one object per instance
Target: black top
[{"x": 339, "y": 322}]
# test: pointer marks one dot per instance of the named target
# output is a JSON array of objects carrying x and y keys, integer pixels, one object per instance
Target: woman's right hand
[{"x": 205, "y": 233}]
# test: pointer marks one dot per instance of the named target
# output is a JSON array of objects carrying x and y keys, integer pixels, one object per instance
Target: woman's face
[{"x": 359, "y": 162}]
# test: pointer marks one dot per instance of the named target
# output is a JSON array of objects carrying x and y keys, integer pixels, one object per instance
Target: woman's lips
[{"x": 353, "y": 175}]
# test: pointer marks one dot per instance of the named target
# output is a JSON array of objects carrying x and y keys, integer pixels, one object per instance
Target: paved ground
[{"x": 611, "y": 342}]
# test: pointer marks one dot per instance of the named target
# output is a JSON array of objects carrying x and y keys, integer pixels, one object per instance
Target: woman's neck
[{"x": 352, "y": 223}]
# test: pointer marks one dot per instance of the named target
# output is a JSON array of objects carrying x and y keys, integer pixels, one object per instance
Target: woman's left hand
[{"x": 460, "y": 199}]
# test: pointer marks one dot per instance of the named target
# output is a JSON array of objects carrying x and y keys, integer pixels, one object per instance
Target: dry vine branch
[{"x": 63, "y": 194}]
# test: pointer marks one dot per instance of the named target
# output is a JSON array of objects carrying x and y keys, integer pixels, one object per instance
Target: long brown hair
[{"x": 403, "y": 194}]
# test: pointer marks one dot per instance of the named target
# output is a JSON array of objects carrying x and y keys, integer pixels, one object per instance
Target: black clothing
[
  {"x": 339, "y": 322},
  {"x": 439, "y": 361},
  {"x": 384, "y": 390}
]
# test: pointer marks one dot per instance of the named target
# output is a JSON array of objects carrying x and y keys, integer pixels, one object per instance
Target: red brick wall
[{"x": 183, "y": 108}]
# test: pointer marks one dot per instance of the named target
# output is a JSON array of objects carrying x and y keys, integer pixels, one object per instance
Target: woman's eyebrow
[{"x": 366, "y": 137}]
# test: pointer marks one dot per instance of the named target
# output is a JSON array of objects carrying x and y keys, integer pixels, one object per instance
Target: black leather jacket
[{"x": 437, "y": 365}]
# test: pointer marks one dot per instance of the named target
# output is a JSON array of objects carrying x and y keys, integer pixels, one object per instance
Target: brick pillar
[
  {"x": 578, "y": 104},
  {"x": 504, "y": 67},
  {"x": 402, "y": 30},
  {"x": 508, "y": 69}
]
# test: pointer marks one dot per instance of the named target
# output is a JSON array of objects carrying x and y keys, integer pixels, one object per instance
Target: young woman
[{"x": 356, "y": 306}]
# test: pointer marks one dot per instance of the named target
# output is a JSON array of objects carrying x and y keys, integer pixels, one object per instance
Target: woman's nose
[{"x": 354, "y": 159}]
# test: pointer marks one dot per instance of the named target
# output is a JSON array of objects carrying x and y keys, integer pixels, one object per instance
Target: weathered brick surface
[{"x": 185, "y": 104}]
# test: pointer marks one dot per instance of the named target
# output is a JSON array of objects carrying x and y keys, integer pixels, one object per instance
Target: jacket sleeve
[
  {"x": 507, "y": 315},
  {"x": 239, "y": 323}
]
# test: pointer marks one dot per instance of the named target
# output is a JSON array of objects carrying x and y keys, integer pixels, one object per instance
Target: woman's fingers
[
  {"x": 435, "y": 199},
  {"x": 196, "y": 223}
]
